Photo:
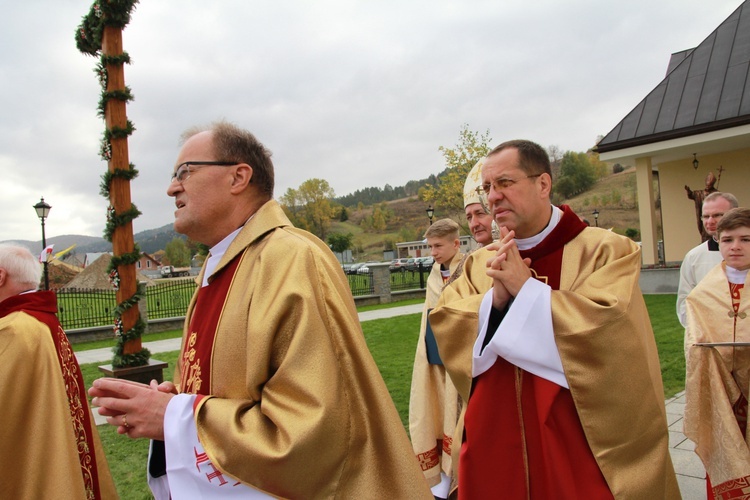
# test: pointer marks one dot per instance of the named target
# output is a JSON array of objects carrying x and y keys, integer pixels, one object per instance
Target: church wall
[{"x": 678, "y": 211}]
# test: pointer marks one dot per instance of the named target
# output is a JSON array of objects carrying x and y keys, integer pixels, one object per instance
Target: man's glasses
[
  {"x": 501, "y": 184},
  {"x": 183, "y": 170}
]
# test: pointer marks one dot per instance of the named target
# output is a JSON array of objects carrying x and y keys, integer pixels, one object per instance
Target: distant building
[
  {"x": 147, "y": 263},
  {"x": 419, "y": 248}
]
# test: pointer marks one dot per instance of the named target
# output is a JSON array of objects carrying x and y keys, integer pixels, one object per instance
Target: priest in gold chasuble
[
  {"x": 547, "y": 336},
  {"x": 279, "y": 396},
  {"x": 49, "y": 442}
]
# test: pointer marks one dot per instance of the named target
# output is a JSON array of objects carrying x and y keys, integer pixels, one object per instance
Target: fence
[{"x": 86, "y": 308}]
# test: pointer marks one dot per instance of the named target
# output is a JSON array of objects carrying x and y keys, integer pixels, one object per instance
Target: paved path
[{"x": 690, "y": 471}]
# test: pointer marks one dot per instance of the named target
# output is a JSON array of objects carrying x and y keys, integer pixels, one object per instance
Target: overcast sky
[{"x": 357, "y": 93}]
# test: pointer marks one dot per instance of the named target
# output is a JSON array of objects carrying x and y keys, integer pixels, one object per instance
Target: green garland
[
  {"x": 88, "y": 36},
  {"x": 129, "y": 174},
  {"x": 115, "y": 220},
  {"x": 102, "y": 13}
]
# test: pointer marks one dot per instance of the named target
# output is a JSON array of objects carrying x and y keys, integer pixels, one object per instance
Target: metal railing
[
  {"x": 404, "y": 279},
  {"x": 89, "y": 307}
]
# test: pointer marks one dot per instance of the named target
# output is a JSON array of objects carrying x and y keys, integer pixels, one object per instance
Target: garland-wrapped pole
[
  {"x": 100, "y": 33},
  {"x": 122, "y": 239}
]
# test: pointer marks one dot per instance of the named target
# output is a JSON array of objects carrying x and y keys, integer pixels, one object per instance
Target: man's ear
[
  {"x": 3, "y": 276},
  {"x": 243, "y": 176},
  {"x": 546, "y": 184}
]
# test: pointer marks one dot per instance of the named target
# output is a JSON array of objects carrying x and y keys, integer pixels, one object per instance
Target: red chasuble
[
  {"x": 198, "y": 346},
  {"x": 522, "y": 434},
  {"x": 43, "y": 307}
]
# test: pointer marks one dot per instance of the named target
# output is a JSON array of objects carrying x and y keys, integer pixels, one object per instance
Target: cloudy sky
[{"x": 357, "y": 93}]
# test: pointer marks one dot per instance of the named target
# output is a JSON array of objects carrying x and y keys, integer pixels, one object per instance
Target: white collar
[
  {"x": 736, "y": 276},
  {"x": 526, "y": 243},
  {"x": 217, "y": 252}
]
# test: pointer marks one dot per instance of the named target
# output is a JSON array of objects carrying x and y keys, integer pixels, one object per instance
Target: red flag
[{"x": 44, "y": 256}]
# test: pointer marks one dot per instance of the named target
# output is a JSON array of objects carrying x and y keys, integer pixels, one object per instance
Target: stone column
[{"x": 381, "y": 280}]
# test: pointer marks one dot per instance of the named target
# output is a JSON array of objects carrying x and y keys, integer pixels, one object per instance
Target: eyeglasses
[
  {"x": 183, "y": 170},
  {"x": 712, "y": 216},
  {"x": 501, "y": 184}
]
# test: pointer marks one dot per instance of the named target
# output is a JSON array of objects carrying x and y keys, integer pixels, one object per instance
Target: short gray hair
[
  {"x": 727, "y": 196},
  {"x": 20, "y": 264}
]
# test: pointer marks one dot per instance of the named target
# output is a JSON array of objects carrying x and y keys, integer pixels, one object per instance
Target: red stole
[
  {"x": 198, "y": 346},
  {"x": 43, "y": 307},
  {"x": 522, "y": 434}
]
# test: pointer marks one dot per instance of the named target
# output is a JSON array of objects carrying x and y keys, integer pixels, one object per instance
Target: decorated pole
[{"x": 100, "y": 33}]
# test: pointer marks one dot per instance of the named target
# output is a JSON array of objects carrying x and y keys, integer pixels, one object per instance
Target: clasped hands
[
  {"x": 136, "y": 409},
  {"x": 507, "y": 269}
]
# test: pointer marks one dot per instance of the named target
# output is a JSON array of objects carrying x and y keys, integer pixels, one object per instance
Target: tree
[
  {"x": 339, "y": 242},
  {"x": 447, "y": 194},
  {"x": 576, "y": 174},
  {"x": 555, "y": 158},
  {"x": 310, "y": 206},
  {"x": 177, "y": 253}
]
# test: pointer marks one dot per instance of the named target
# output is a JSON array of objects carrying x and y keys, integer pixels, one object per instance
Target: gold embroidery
[
  {"x": 543, "y": 279},
  {"x": 70, "y": 373},
  {"x": 191, "y": 371}
]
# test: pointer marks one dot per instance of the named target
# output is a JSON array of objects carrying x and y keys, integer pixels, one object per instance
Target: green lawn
[{"x": 392, "y": 342}]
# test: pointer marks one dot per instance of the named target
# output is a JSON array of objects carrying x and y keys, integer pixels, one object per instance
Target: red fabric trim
[
  {"x": 43, "y": 307},
  {"x": 198, "y": 346}
]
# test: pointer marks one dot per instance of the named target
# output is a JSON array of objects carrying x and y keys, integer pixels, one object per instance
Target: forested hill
[{"x": 373, "y": 195}]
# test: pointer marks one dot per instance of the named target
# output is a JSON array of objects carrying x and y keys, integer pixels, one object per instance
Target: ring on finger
[{"x": 125, "y": 422}]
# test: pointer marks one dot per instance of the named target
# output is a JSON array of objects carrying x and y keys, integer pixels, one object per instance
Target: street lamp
[
  {"x": 42, "y": 211},
  {"x": 430, "y": 213},
  {"x": 596, "y": 217}
]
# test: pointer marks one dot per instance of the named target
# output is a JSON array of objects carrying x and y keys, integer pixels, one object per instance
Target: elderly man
[
  {"x": 547, "y": 337},
  {"x": 704, "y": 257},
  {"x": 475, "y": 206},
  {"x": 50, "y": 446},
  {"x": 278, "y": 394}
]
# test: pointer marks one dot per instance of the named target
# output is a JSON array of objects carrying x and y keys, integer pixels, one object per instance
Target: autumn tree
[
  {"x": 447, "y": 194},
  {"x": 177, "y": 253},
  {"x": 310, "y": 206}
]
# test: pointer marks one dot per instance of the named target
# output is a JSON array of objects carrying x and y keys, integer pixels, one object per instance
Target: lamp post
[
  {"x": 430, "y": 213},
  {"x": 42, "y": 211},
  {"x": 596, "y": 217}
]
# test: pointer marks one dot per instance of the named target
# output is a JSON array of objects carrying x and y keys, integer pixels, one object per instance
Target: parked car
[
  {"x": 426, "y": 262},
  {"x": 363, "y": 269},
  {"x": 411, "y": 264},
  {"x": 398, "y": 265},
  {"x": 354, "y": 267}
]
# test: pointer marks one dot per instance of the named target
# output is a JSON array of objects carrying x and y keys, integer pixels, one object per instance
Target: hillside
[
  {"x": 149, "y": 241},
  {"x": 615, "y": 197}
]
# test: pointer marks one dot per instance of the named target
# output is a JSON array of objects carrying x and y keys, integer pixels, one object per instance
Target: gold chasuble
[
  {"x": 50, "y": 446},
  {"x": 433, "y": 401},
  {"x": 294, "y": 404},
  {"x": 526, "y": 437},
  {"x": 718, "y": 382}
]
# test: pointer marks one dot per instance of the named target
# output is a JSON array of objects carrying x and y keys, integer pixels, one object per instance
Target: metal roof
[{"x": 706, "y": 88}]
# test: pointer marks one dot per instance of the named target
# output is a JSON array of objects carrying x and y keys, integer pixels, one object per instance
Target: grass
[
  {"x": 392, "y": 342},
  {"x": 669, "y": 336}
]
